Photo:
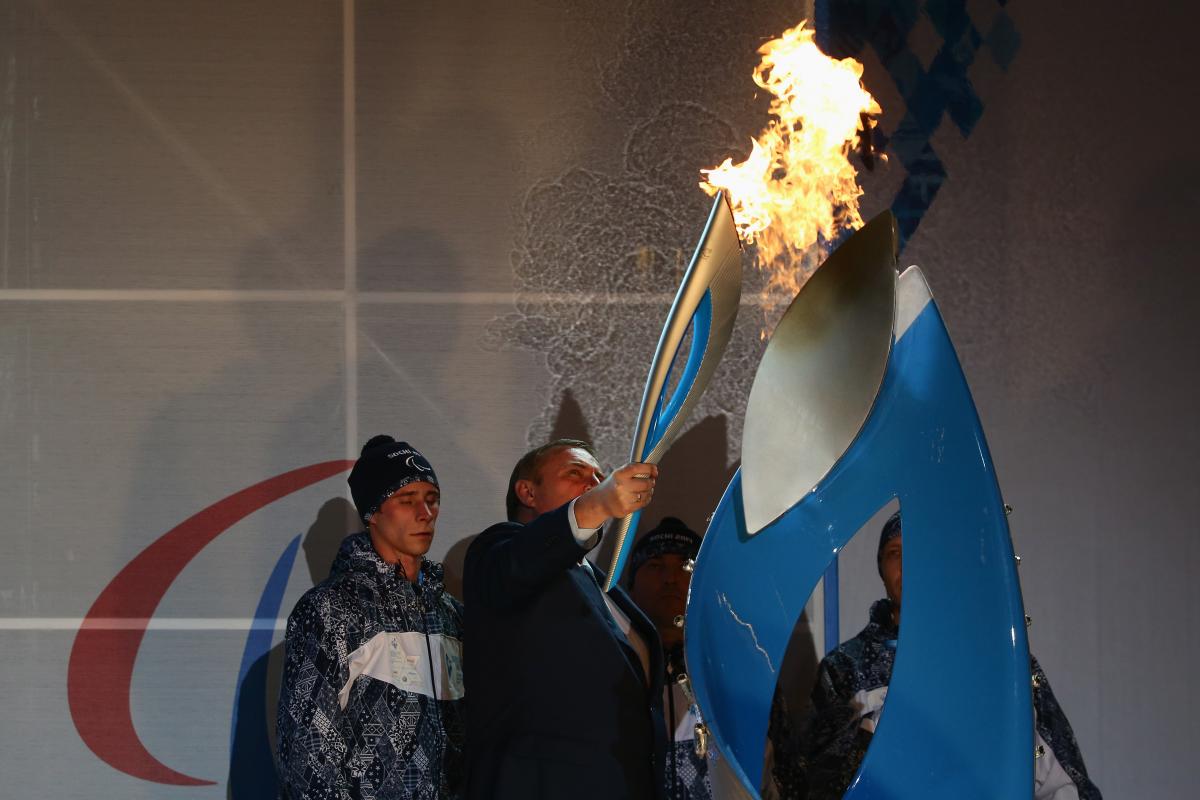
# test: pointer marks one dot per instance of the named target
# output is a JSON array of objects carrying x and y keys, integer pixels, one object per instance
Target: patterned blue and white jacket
[
  {"x": 686, "y": 771},
  {"x": 818, "y": 757},
  {"x": 372, "y": 702}
]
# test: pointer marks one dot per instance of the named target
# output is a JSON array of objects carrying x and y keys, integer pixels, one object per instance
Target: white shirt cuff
[{"x": 587, "y": 537}]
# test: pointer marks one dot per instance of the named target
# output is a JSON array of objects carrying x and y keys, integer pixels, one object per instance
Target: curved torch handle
[{"x": 707, "y": 302}]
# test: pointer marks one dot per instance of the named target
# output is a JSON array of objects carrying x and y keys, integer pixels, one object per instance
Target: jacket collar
[
  {"x": 881, "y": 625},
  {"x": 356, "y": 556}
]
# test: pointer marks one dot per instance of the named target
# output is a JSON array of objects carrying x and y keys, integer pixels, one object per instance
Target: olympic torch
[{"x": 707, "y": 301}]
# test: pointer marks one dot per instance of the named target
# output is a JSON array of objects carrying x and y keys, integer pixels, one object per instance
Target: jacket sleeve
[
  {"x": 311, "y": 748},
  {"x": 510, "y": 562},
  {"x": 1055, "y": 729},
  {"x": 454, "y": 712},
  {"x": 787, "y": 760},
  {"x": 835, "y": 742}
]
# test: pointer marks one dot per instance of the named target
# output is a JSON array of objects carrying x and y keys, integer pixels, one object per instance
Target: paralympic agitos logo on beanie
[{"x": 414, "y": 461}]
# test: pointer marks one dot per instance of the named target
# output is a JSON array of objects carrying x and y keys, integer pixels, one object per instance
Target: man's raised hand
[{"x": 625, "y": 491}]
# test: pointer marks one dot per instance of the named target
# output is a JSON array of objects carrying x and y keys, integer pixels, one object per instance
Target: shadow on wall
[
  {"x": 456, "y": 556},
  {"x": 251, "y": 763},
  {"x": 569, "y": 424}
]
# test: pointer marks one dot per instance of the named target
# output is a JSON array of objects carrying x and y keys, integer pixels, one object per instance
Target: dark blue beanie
[
  {"x": 385, "y": 466},
  {"x": 891, "y": 529},
  {"x": 671, "y": 535}
]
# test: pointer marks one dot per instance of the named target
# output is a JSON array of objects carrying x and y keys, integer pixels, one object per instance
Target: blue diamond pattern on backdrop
[{"x": 845, "y": 27}]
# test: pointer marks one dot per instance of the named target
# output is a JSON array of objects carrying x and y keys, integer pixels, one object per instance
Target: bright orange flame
[{"x": 798, "y": 185}]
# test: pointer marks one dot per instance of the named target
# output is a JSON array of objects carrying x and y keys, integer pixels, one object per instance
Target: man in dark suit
[{"x": 565, "y": 681}]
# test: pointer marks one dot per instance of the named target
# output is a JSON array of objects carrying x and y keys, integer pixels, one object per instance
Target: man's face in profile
[
  {"x": 889, "y": 568},
  {"x": 660, "y": 588},
  {"x": 562, "y": 475}
]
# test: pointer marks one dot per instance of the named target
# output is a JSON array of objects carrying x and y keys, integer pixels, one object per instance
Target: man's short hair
[{"x": 527, "y": 470}]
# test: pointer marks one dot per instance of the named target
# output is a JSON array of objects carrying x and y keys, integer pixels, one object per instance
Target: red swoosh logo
[{"x": 101, "y": 666}]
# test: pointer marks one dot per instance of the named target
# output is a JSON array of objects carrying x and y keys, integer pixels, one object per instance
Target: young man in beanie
[
  {"x": 372, "y": 702},
  {"x": 848, "y": 699},
  {"x": 565, "y": 679},
  {"x": 658, "y": 582}
]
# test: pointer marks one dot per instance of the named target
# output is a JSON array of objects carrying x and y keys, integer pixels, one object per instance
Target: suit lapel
[
  {"x": 589, "y": 583},
  {"x": 645, "y": 628}
]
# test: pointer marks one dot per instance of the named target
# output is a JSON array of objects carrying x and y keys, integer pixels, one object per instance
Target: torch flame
[{"x": 798, "y": 187}]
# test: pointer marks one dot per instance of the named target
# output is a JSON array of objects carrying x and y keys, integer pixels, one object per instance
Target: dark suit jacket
[{"x": 559, "y": 705}]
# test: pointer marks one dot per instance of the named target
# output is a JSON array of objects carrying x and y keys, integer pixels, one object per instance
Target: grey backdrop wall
[{"x": 236, "y": 239}]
